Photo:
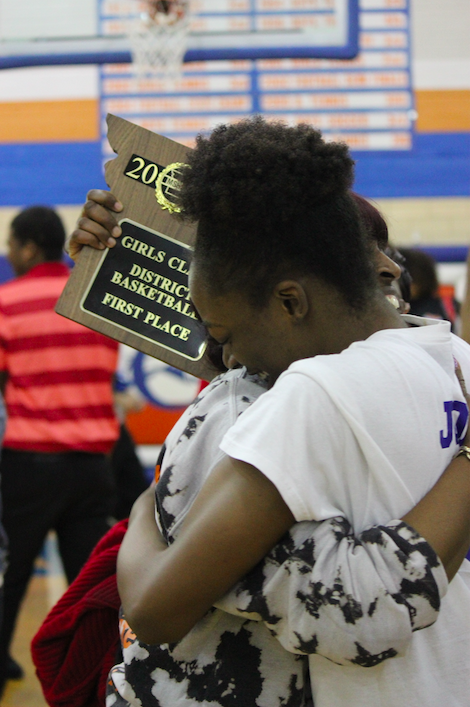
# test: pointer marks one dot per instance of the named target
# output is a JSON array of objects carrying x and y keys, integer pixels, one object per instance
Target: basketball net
[{"x": 158, "y": 37}]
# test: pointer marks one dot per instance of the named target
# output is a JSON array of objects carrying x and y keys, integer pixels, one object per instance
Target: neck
[
  {"x": 379, "y": 315},
  {"x": 37, "y": 260},
  {"x": 337, "y": 326}
]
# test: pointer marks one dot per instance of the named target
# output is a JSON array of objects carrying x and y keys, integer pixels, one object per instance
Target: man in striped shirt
[{"x": 57, "y": 379}]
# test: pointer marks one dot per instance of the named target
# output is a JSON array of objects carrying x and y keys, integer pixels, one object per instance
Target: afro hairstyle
[{"x": 274, "y": 201}]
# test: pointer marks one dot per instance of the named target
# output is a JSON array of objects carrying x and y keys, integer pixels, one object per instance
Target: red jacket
[{"x": 78, "y": 643}]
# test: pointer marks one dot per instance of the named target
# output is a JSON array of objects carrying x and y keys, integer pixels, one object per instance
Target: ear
[
  {"x": 293, "y": 298},
  {"x": 30, "y": 251}
]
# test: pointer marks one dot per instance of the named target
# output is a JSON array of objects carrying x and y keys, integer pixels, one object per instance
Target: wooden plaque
[{"x": 137, "y": 292}]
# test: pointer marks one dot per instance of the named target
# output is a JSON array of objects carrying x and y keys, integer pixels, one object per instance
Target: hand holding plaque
[{"x": 137, "y": 292}]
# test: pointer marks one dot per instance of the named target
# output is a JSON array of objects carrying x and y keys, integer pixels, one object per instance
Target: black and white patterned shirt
[{"x": 339, "y": 599}]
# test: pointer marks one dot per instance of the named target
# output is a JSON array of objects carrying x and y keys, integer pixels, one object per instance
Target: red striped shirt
[{"x": 59, "y": 387}]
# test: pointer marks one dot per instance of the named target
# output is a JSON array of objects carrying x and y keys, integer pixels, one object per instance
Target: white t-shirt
[
  {"x": 236, "y": 653},
  {"x": 365, "y": 434}
]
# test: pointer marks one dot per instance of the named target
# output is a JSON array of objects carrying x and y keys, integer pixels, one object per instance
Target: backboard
[{"x": 70, "y": 31}]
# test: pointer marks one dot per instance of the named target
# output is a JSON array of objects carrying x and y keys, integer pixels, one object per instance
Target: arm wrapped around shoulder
[{"x": 353, "y": 600}]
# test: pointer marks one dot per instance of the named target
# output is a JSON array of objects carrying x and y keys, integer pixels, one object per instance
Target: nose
[
  {"x": 387, "y": 269},
  {"x": 227, "y": 357}
]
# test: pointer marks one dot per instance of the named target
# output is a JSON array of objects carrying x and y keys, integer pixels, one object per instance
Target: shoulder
[
  {"x": 235, "y": 386},
  {"x": 12, "y": 295},
  {"x": 219, "y": 404},
  {"x": 10, "y": 286}
]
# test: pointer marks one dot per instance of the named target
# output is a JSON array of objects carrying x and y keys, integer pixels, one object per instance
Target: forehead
[
  {"x": 198, "y": 286},
  {"x": 214, "y": 308},
  {"x": 201, "y": 295}
]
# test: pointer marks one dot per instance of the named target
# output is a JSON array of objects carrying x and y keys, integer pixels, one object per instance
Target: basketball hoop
[{"x": 158, "y": 37}]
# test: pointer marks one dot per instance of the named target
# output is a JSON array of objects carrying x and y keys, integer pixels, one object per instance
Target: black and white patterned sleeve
[{"x": 353, "y": 600}]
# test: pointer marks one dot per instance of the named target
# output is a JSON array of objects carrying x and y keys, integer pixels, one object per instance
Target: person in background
[
  {"x": 425, "y": 300},
  {"x": 465, "y": 307},
  {"x": 57, "y": 377},
  {"x": 3, "y": 537},
  {"x": 128, "y": 472}
]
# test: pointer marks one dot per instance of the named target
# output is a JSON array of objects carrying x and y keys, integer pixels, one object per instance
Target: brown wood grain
[{"x": 141, "y": 206}]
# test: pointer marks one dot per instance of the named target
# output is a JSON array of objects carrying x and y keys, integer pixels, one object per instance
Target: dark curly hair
[
  {"x": 272, "y": 200},
  {"x": 43, "y": 226}
]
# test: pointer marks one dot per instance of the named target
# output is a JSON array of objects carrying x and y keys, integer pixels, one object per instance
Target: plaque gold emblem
[{"x": 167, "y": 187}]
